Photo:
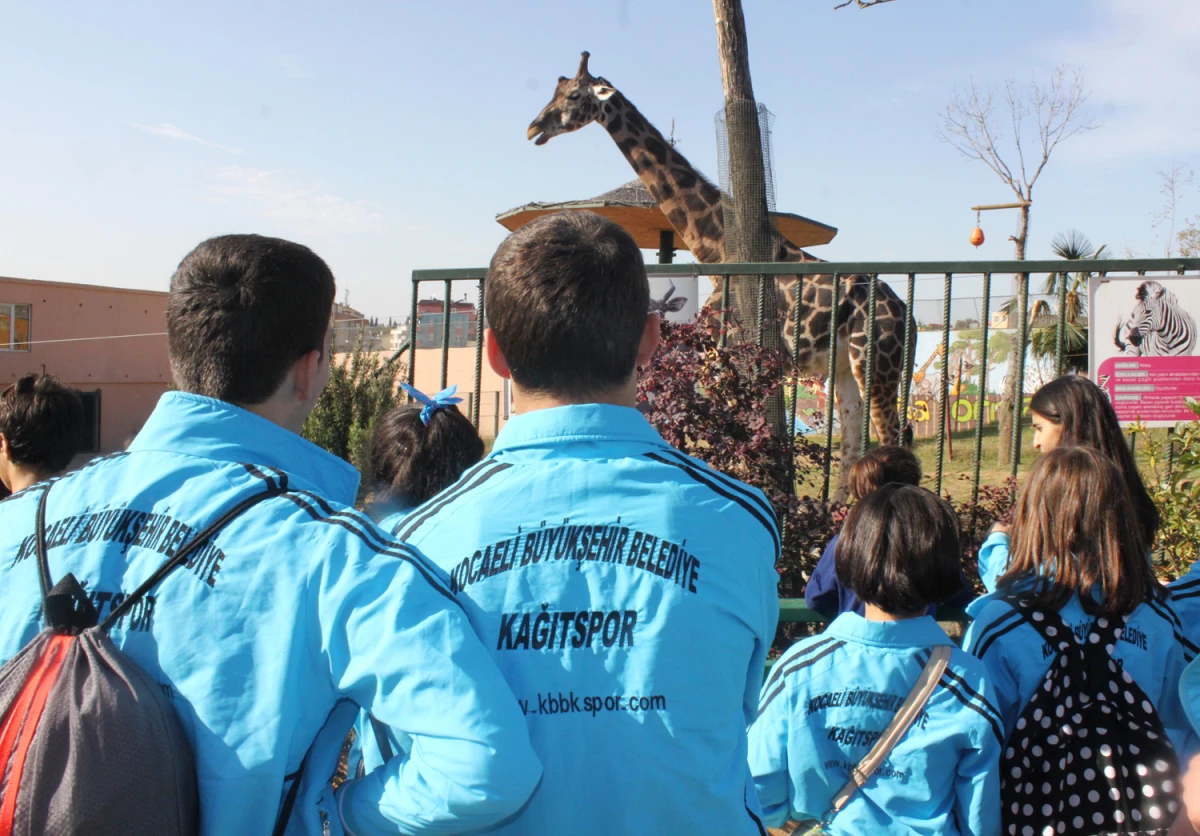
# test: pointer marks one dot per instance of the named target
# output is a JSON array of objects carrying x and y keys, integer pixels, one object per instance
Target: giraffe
[{"x": 692, "y": 205}]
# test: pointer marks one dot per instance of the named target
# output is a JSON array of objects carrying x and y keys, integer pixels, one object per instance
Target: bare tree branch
[{"x": 862, "y": 4}]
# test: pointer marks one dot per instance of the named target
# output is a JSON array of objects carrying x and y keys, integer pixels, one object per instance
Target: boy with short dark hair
[
  {"x": 627, "y": 591},
  {"x": 830, "y": 698},
  {"x": 297, "y": 613},
  {"x": 41, "y": 427}
]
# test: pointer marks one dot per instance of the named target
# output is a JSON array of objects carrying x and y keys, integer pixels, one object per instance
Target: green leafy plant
[
  {"x": 362, "y": 386},
  {"x": 1174, "y": 485}
]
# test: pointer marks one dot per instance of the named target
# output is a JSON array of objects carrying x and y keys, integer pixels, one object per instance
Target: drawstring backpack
[
  {"x": 911, "y": 708},
  {"x": 89, "y": 744},
  {"x": 1089, "y": 754}
]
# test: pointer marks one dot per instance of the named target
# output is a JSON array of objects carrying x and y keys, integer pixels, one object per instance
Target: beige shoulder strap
[{"x": 913, "y": 705}]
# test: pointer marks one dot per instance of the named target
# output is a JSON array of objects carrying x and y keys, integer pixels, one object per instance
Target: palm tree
[{"x": 1071, "y": 245}]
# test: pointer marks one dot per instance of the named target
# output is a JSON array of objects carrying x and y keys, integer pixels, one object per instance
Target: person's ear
[
  {"x": 495, "y": 354},
  {"x": 5, "y": 450},
  {"x": 306, "y": 375},
  {"x": 651, "y": 334}
]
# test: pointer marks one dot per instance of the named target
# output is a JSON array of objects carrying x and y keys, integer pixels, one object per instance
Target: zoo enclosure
[{"x": 902, "y": 276}]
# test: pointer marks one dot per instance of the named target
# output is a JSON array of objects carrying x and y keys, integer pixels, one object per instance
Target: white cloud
[
  {"x": 170, "y": 131},
  {"x": 1143, "y": 70},
  {"x": 275, "y": 198}
]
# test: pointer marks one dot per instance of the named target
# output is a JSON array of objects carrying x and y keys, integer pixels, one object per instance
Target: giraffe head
[{"x": 576, "y": 103}]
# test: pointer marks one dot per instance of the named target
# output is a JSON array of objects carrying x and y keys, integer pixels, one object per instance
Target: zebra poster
[{"x": 1142, "y": 345}]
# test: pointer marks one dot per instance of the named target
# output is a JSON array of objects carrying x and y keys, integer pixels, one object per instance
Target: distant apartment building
[
  {"x": 109, "y": 343},
  {"x": 351, "y": 328},
  {"x": 431, "y": 319}
]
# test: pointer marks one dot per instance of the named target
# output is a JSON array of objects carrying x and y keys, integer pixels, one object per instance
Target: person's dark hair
[
  {"x": 412, "y": 462},
  {"x": 880, "y": 465},
  {"x": 567, "y": 300},
  {"x": 1087, "y": 419},
  {"x": 43, "y": 422},
  {"x": 242, "y": 310},
  {"x": 1070, "y": 530},
  {"x": 899, "y": 549}
]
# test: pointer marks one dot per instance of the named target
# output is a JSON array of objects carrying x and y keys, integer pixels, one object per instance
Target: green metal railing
[{"x": 871, "y": 272}]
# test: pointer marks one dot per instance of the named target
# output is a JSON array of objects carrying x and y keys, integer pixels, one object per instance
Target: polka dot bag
[{"x": 1089, "y": 754}]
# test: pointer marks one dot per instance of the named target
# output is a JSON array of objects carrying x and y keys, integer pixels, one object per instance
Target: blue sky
[{"x": 387, "y": 136}]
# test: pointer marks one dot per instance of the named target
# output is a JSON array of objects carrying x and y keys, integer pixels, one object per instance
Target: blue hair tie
[{"x": 442, "y": 400}]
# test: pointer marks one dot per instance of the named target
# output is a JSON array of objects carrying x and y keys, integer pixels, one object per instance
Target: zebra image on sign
[{"x": 1142, "y": 345}]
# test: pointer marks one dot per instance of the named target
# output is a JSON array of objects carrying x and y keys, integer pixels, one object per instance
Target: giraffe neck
[{"x": 691, "y": 204}]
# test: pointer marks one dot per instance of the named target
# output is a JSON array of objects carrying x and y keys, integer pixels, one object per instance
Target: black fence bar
[
  {"x": 910, "y": 345},
  {"x": 446, "y": 333},
  {"x": 831, "y": 380},
  {"x": 479, "y": 322},
  {"x": 724, "y": 310},
  {"x": 761, "y": 313},
  {"x": 981, "y": 403},
  {"x": 412, "y": 338},
  {"x": 796, "y": 306},
  {"x": 869, "y": 375},
  {"x": 1060, "y": 329},
  {"x": 1018, "y": 384},
  {"x": 944, "y": 411},
  {"x": 496, "y": 418}
]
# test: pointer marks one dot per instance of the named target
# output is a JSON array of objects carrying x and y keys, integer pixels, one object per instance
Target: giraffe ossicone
[{"x": 692, "y": 205}]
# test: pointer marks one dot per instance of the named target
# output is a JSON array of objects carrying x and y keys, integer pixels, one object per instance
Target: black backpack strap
[
  {"x": 1049, "y": 624},
  {"x": 381, "y": 739},
  {"x": 181, "y": 556},
  {"x": 66, "y": 606},
  {"x": 289, "y": 801}
]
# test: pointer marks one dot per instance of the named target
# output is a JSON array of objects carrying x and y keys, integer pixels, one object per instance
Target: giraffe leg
[{"x": 850, "y": 415}]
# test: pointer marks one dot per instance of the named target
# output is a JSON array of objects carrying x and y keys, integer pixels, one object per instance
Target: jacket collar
[
  {"x": 578, "y": 422},
  {"x": 911, "y": 632},
  {"x": 194, "y": 425}
]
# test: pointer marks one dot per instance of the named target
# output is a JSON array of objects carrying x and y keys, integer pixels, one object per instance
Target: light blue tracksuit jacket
[
  {"x": 628, "y": 594},
  {"x": 1152, "y": 649},
  {"x": 272, "y": 637},
  {"x": 828, "y": 699}
]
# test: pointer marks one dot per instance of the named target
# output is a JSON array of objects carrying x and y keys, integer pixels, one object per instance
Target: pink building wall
[{"x": 130, "y": 372}]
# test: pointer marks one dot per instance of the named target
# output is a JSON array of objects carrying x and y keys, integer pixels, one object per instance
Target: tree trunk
[
  {"x": 1016, "y": 358},
  {"x": 748, "y": 232}
]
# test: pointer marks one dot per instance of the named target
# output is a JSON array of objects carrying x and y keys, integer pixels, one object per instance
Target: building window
[{"x": 14, "y": 327}]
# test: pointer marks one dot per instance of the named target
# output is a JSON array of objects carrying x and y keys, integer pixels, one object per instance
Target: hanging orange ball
[{"x": 976, "y": 236}]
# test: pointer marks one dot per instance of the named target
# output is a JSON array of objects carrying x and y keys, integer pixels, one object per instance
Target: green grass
[{"x": 959, "y": 471}]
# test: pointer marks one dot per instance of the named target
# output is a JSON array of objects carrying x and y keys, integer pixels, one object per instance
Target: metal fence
[{"x": 903, "y": 276}]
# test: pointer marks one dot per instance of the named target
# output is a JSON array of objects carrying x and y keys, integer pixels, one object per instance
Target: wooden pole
[{"x": 749, "y": 235}]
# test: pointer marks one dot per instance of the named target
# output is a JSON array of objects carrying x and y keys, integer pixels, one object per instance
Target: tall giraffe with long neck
[{"x": 692, "y": 205}]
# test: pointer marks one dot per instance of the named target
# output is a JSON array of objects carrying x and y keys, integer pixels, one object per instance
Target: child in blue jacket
[
  {"x": 1071, "y": 411},
  {"x": 828, "y": 698},
  {"x": 878, "y": 466},
  {"x": 1074, "y": 552}
]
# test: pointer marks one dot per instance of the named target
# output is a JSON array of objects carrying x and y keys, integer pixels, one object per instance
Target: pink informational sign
[
  {"x": 1151, "y": 389},
  {"x": 1142, "y": 339}
]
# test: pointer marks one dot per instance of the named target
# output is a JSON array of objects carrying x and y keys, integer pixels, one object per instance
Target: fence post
[
  {"x": 910, "y": 343},
  {"x": 446, "y": 334},
  {"x": 724, "y": 309},
  {"x": 1060, "y": 332},
  {"x": 412, "y": 339},
  {"x": 496, "y": 418},
  {"x": 943, "y": 413},
  {"x": 478, "y": 356},
  {"x": 1018, "y": 405},
  {"x": 796, "y": 305},
  {"x": 982, "y": 402},
  {"x": 869, "y": 377},
  {"x": 831, "y": 381}
]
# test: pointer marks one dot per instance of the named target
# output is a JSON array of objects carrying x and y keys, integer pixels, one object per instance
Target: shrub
[
  {"x": 1173, "y": 480},
  {"x": 708, "y": 401},
  {"x": 362, "y": 386}
]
